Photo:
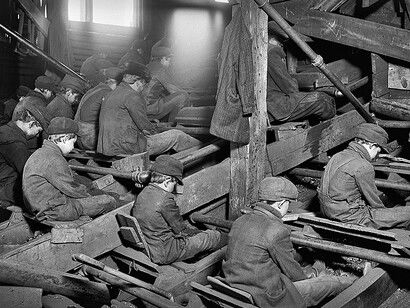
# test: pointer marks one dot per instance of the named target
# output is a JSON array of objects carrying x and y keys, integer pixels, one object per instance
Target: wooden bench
[{"x": 221, "y": 294}]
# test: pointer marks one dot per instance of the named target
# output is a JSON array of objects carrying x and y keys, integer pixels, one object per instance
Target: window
[{"x": 119, "y": 13}]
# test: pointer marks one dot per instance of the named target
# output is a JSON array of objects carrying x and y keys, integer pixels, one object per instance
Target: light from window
[
  {"x": 76, "y": 10},
  {"x": 119, "y": 13}
]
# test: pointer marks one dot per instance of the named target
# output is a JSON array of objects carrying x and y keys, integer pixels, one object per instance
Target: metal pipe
[
  {"x": 203, "y": 152},
  {"x": 354, "y": 85},
  {"x": 141, "y": 293},
  {"x": 379, "y": 182},
  {"x": 316, "y": 59},
  {"x": 41, "y": 53},
  {"x": 338, "y": 248},
  {"x": 393, "y": 124},
  {"x": 102, "y": 171}
]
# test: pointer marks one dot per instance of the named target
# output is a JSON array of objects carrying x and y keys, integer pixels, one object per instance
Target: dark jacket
[
  {"x": 13, "y": 155},
  {"x": 91, "y": 69},
  {"x": 48, "y": 181},
  {"x": 259, "y": 259},
  {"x": 281, "y": 86},
  {"x": 89, "y": 108},
  {"x": 347, "y": 190},
  {"x": 123, "y": 122},
  {"x": 235, "y": 93},
  {"x": 60, "y": 107},
  {"x": 161, "y": 223}
]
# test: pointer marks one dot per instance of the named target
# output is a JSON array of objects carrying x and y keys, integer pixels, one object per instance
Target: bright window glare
[
  {"x": 222, "y": 1},
  {"x": 75, "y": 10},
  {"x": 110, "y": 12}
]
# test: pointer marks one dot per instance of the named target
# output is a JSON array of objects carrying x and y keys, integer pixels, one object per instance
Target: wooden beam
[
  {"x": 35, "y": 15},
  {"x": 204, "y": 186},
  {"x": 371, "y": 36},
  {"x": 369, "y": 291},
  {"x": 246, "y": 169},
  {"x": 287, "y": 154},
  {"x": 51, "y": 281},
  {"x": 100, "y": 236}
]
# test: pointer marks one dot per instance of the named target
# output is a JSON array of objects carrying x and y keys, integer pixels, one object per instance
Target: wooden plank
[
  {"x": 369, "y": 291},
  {"x": 100, "y": 236},
  {"x": 367, "y": 35},
  {"x": 379, "y": 76},
  {"x": 21, "y": 297},
  {"x": 204, "y": 186},
  {"x": 35, "y": 14},
  {"x": 287, "y": 154},
  {"x": 246, "y": 170},
  {"x": 398, "y": 77}
]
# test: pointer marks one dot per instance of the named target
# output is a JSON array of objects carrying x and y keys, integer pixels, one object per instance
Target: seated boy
[
  {"x": 259, "y": 257},
  {"x": 50, "y": 191},
  {"x": 169, "y": 239}
]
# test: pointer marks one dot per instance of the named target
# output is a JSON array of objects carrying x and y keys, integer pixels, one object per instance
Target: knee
[{"x": 328, "y": 106}]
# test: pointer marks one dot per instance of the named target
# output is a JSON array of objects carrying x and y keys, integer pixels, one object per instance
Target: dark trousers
[
  {"x": 169, "y": 105},
  {"x": 318, "y": 105}
]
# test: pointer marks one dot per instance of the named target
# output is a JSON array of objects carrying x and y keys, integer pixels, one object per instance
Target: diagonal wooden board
[
  {"x": 287, "y": 154},
  {"x": 367, "y": 35},
  {"x": 369, "y": 291},
  {"x": 100, "y": 236}
]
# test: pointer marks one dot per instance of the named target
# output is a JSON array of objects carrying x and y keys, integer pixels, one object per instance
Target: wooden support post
[{"x": 247, "y": 168}]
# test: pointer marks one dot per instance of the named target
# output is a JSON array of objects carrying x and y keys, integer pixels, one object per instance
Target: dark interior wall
[
  {"x": 195, "y": 33},
  {"x": 15, "y": 68}
]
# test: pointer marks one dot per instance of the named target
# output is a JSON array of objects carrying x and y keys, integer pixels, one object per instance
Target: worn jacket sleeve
[
  {"x": 166, "y": 80},
  {"x": 136, "y": 107},
  {"x": 281, "y": 250},
  {"x": 279, "y": 73},
  {"x": 16, "y": 155},
  {"x": 62, "y": 179},
  {"x": 365, "y": 180},
  {"x": 171, "y": 214}
]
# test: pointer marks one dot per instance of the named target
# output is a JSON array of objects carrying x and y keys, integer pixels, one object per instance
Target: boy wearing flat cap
[
  {"x": 14, "y": 150},
  {"x": 50, "y": 191},
  {"x": 259, "y": 257},
  {"x": 164, "y": 98},
  {"x": 88, "y": 112},
  {"x": 284, "y": 100},
  {"x": 347, "y": 191},
  {"x": 124, "y": 125},
  {"x": 92, "y": 66},
  {"x": 71, "y": 91},
  {"x": 134, "y": 54},
  {"x": 168, "y": 237}
]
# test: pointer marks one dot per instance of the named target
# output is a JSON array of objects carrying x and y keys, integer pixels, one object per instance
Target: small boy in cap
[
  {"x": 347, "y": 191},
  {"x": 14, "y": 150},
  {"x": 124, "y": 125},
  {"x": 88, "y": 112},
  {"x": 71, "y": 91},
  {"x": 164, "y": 98},
  {"x": 284, "y": 100},
  {"x": 168, "y": 237},
  {"x": 50, "y": 191},
  {"x": 259, "y": 257},
  {"x": 134, "y": 54}
]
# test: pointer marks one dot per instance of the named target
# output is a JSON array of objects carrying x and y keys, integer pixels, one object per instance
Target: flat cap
[
  {"x": 168, "y": 165},
  {"x": 138, "y": 69},
  {"x": 161, "y": 51},
  {"x": 22, "y": 91},
  {"x": 373, "y": 133},
  {"x": 277, "y": 189},
  {"x": 44, "y": 82},
  {"x": 113, "y": 72},
  {"x": 74, "y": 83},
  {"x": 61, "y": 125},
  {"x": 34, "y": 106}
]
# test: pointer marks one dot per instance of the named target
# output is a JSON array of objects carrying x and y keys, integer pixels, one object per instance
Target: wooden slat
[
  {"x": 371, "y": 36},
  {"x": 100, "y": 236},
  {"x": 369, "y": 291},
  {"x": 35, "y": 14},
  {"x": 204, "y": 186},
  {"x": 287, "y": 154}
]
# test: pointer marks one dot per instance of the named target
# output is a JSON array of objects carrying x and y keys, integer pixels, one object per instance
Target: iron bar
[{"x": 316, "y": 59}]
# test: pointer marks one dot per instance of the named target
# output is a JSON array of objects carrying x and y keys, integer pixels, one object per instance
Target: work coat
[
  {"x": 123, "y": 123},
  {"x": 259, "y": 259},
  {"x": 60, "y": 107}
]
